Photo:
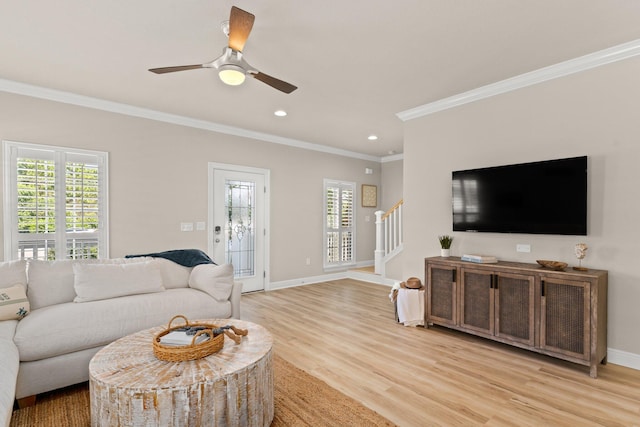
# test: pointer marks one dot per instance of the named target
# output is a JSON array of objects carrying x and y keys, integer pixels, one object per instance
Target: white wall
[
  {"x": 593, "y": 113},
  {"x": 392, "y": 186},
  {"x": 158, "y": 179}
]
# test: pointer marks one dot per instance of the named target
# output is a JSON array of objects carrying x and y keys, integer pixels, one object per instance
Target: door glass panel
[{"x": 239, "y": 228}]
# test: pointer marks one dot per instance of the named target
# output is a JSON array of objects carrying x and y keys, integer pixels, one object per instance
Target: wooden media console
[{"x": 562, "y": 314}]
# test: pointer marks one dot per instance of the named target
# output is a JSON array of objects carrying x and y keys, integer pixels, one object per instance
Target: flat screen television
[{"x": 548, "y": 197}]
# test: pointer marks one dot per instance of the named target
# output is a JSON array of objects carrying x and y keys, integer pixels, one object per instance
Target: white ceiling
[{"x": 356, "y": 63}]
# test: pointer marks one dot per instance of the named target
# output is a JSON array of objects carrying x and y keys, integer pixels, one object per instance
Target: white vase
[{"x": 444, "y": 253}]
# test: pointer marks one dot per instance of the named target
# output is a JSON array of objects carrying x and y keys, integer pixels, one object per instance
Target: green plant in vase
[{"x": 445, "y": 245}]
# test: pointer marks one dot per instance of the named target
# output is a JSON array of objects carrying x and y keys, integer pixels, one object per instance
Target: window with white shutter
[
  {"x": 339, "y": 224},
  {"x": 55, "y": 203}
]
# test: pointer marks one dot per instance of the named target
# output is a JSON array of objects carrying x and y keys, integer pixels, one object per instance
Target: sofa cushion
[
  {"x": 66, "y": 328},
  {"x": 216, "y": 280},
  {"x": 50, "y": 282},
  {"x": 13, "y": 273},
  {"x": 102, "y": 281},
  {"x": 14, "y": 304},
  {"x": 8, "y": 329},
  {"x": 173, "y": 274}
]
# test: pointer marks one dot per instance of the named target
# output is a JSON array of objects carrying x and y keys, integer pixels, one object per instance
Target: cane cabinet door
[
  {"x": 442, "y": 296},
  {"x": 515, "y": 307},
  {"x": 476, "y": 300},
  {"x": 565, "y": 319}
]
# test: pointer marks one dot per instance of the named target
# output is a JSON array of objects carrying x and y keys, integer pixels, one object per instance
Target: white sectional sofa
[{"x": 74, "y": 308}]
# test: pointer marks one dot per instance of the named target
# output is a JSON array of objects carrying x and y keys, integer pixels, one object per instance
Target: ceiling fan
[{"x": 231, "y": 66}]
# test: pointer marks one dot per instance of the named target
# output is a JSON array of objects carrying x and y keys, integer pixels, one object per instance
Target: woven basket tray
[{"x": 172, "y": 353}]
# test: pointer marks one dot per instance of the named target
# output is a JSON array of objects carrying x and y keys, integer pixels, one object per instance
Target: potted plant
[{"x": 445, "y": 245}]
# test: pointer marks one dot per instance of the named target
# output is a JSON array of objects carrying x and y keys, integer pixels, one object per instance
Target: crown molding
[
  {"x": 392, "y": 158},
  {"x": 19, "y": 88},
  {"x": 572, "y": 66}
]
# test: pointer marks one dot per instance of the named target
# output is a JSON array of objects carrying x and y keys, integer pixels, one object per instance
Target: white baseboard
[
  {"x": 305, "y": 281},
  {"x": 365, "y": 277},
  {"x": 623, "y": 358}
]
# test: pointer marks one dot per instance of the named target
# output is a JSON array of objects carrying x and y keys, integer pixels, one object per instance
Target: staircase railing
[{"x": 388, "y": 236}]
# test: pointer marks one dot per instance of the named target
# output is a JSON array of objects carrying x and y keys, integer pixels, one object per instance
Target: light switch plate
[{"x": 186, "y": 226}]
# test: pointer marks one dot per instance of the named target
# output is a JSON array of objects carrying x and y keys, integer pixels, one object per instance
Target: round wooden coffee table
[{"x": 129, "y": 386}]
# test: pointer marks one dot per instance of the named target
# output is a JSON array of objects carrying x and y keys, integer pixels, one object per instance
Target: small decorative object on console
[
  {"x": 479, "y": 259},
  {"x": 580, "y": 251},
  {"x": 553, "y": 265},
  {"x": 445, "y": 245}
]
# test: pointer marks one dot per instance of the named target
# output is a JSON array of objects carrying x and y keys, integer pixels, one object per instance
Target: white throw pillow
[
  {"x": 50, "y": 282},
  {"x": 14, "y": 304},
  {"x": 216, "y": 280},
  {"x": 102, "y": 281},
  {"x": 12, "y": 273},
  {"x": 173, "y": 275}
]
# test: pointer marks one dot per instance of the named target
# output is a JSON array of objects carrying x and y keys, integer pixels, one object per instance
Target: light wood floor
[{"x": 344, "y": 333}]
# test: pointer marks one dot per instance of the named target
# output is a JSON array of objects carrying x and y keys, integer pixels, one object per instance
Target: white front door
[{"x": 237, "y": 222}]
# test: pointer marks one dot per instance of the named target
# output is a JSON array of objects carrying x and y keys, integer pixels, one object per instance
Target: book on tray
[
  {"x": 480, "y": 259},
  {"x": 181, "y": 338}
]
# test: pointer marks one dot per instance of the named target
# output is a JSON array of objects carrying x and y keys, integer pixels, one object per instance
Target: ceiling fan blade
[
  {"x": 163, "y": 70},
  {"x": 240, "y": 24},
  {"x": 273, "y": 82}
]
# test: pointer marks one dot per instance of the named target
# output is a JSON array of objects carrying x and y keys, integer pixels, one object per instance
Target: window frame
[
  {"x": 12, "y": 150},
  {"x": 325, "y": 229}
]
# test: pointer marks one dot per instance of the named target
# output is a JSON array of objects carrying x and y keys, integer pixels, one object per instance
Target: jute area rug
[{"x": 300, "y": 400}]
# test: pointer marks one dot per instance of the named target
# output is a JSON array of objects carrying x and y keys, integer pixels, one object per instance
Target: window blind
[
  {"x": 55, "y": 202},
  {"x": 339, "y": 223}
]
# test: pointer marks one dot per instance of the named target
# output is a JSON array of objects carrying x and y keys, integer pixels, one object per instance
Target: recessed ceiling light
[
  {"x": 372, "y": 137},
  {"x": 280, "y": 113}
]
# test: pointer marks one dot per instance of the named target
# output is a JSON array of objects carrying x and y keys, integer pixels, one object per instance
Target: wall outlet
[{"x": 523, "y": 248}]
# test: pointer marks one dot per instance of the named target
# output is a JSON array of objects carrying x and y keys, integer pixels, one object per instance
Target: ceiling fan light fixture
[
  {"x": 231, "y": 74},
  {"x": 231, "y": 66},
  {"x": 224, "y": 25}
]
